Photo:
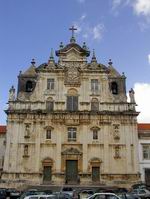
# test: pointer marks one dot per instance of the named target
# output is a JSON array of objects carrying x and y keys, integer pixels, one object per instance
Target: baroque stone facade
[
  {"x": 2, "y": 146},
  {"x": 144, "y": 152},
  {"x": 70, "y": 122}
]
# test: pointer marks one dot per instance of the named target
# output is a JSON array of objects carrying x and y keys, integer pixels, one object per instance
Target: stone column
[
  {"x": 85, "y": 147},
  {"x": 58, "y": 132},
  {"x": 106, "y": 148},
  {"x": 8, "y": 140},
  {"x": 38, "y": 129},
  {"x": 127, "y": 131}
]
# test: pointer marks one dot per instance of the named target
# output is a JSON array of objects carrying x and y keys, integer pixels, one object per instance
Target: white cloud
[
  {"x": 149, "y": 58},
  {"x": 83, "y": 17},
  {"x": 142, "y": 7},
  {"x": 142, "y": 97},
  {"x": 78, "y": 27},
  {"x": 116, "y": 3},
  {"x": 81, "y": 1},
  {"x": 139, "y": 7},
  {"x": 98, "y": 31},
  {"x": 88, "y": 31}
]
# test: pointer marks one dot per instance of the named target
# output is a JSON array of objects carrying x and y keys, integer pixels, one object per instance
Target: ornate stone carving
[
  {"x": 117, "y": 152},
  {"x": 116, "y": 133},
  {"x": 72, "y": 76},
  {"x": 71, "y": 151}
]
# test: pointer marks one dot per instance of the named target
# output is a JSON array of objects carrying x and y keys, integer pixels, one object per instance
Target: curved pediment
[
  {"x": 71, "y": 151},
  {"x": 95, "y": 159},
  {"x": 73, "y": 46}
]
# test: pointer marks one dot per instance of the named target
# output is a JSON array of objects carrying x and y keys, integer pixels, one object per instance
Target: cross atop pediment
[{"x": 73, "y": 40}]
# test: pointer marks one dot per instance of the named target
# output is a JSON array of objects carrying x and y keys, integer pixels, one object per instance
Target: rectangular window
[
  {"x": 94, "y": 85},
  {"x": 94, "y": 106},
  {"x": 48, "y": 134},
  {"x": 50, "y": 84},
  {"x": 72, "y": 134},
  {"x": 72, "y": 103},
  {"x": 49, "y": 106},
  {"x": 95, "y": 135},
  {"x": 146, "y": 152}
]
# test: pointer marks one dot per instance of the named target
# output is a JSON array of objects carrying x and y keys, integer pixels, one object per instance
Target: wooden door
[
  {"x": 47, "y": 173},
  {"x": 71, "y": 171},
  {"x": 147, "y": 177},
  {"x": 95, "y": 174}
]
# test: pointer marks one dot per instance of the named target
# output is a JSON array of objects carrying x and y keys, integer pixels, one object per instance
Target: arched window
[
  {"x": 114, "y": 88},
  {"x": 95, "y": 131},
  {"x": 29, "y": 86},
  {"x": 94, "y": 105},
  {"x": 49, "y": 104},
  {"x": 48, "y": 134},
  {"x": 72, "y": 100}
]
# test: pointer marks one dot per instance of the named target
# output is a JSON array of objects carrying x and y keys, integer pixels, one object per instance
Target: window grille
[
  {"x": 72, "y": 134},
  {"x": 50, "y": 84}
]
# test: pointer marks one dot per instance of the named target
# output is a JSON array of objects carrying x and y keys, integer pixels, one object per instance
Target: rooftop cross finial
[{"x": 72, "y": 40}]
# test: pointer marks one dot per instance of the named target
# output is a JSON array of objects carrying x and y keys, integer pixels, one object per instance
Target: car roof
[
  {"x": 44, "y": 195},
  {"x": 104, "y": 193}
]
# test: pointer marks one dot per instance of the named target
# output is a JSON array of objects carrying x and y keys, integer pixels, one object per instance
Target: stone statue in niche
[
  {"x": 131, "y": 95},
  {"x": 117, "y": 152},
  {"x": 27, "y": 131},
  {"x": 12, "y": 94},
  {"x": 26, "y": 150}
]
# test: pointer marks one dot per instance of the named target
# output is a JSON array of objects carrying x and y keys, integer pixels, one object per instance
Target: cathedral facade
[{"x": 71, "y": 123}]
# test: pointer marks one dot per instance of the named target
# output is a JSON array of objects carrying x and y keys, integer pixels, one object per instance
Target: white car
[
  {"x": 41, "y": 197},
  {"x": 103, "y": 196}
]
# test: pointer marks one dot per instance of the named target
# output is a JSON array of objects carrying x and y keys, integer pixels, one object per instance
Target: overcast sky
[{"x": 116, "y": 29}]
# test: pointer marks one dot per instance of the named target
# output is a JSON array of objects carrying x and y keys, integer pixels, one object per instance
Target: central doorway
[
  {"x": 71, "y": 171},
  {"x": 47, "y": 173},
  {"x": 95, "y": 174},
  {"x": 147, "y": 176}
]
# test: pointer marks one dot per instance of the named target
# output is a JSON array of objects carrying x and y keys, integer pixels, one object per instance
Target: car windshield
[{"x": 67, "y": 189}]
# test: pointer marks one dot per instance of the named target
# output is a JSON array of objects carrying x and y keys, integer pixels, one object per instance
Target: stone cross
[{"x": 72, "y": 29}]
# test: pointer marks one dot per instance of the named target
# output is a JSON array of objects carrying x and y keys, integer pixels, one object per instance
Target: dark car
[
  {"x": 142, "y": 193},
  {"x": 31, "y": 192},
  {"x": 3, "y": 194},
  {"x": 85, "y": 193},
  {"x": 128, "y": 196},
  {"x": 139, "y": 186},
  {"x": 120, "y": 190},
  {"x": 14, "y": 194},
  {"x": 60, "y": 195},
  {"x": 67, "y": 190}
]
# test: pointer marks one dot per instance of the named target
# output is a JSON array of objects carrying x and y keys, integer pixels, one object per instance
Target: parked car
[
  {"x": 142, "y": 193},
  {"x": 104, "y": 196},
  {"x": 41, "y": 197},
  {"x": 85, "y": 193},
  {"x": 115, "y": 190},
  {"x": 14, "y": 194},
  {"x": 61, "y": 195},
  {"x": 68, "y": 190},
  {"x": 139, "y": 186},
  {"x": 3, "y": 194},
  {"x": 30, "y": 193},
  {"x": 128, "y": 196}
]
